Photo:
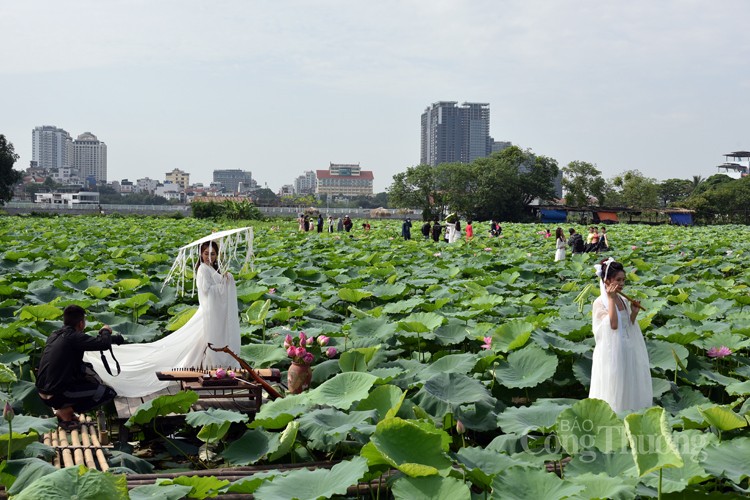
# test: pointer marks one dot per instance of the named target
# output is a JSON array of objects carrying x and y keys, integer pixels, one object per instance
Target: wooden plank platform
[{"x": 78, "y": 447}]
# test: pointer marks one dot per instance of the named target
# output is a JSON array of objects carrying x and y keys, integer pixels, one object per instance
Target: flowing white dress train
[
  {"x": 620, "y": 373},
  {"x": 216, "y": 321}
]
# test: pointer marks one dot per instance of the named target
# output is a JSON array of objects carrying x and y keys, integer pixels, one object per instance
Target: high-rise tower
[
  {"x": 51, "y": 147},
  {"x": 90, "y": 158},
  {"x": 453, "y": 133}
]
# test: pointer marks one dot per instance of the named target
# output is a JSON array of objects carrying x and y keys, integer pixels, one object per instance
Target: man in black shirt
[{"x": 64, "y": 381}]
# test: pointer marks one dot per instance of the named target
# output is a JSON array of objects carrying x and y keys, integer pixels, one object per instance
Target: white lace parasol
[{"x": 230, "y": 244}]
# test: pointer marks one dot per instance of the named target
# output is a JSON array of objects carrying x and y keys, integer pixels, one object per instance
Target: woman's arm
[{"x": 634, "y": 311}]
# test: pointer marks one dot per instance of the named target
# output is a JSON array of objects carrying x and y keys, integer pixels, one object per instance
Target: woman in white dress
[
  {"x": 620, "y": 373},
  {"x": 216, "y": 321},
  {"x": 560, "y": 245}
]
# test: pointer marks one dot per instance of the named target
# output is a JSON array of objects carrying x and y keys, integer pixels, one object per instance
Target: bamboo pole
[
  {"x": 87, "y": 453},
  {"x": 67, "y": 455}
]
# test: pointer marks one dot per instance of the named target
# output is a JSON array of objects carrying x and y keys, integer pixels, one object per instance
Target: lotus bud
[
  {"x": 331, "y": 352},
  {"x": 291, "y": 351},
  {"x": 301, "y": 351},
  {"x": 302, "y": 338},
  {"x": 8, "y": 412},
  {"x": 288, "y": 340},
  {"x": 310, "y": 341},
  {"x": 460, "y": 427},
  {"x": 231, "y": 374},
  {"x": 308, "y": 358},
  {"x": 323, "y": 340},
  {"x": 221, "y": 373}
]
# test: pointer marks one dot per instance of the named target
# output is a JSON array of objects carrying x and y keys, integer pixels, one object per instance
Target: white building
[
  {"x": 306, "y": 183},
  {"x": 69, "y": 199},
  {"x": 126, "y": 187},
  {"x": 67, "y": 176},
  {"x": 146, "y": 185},
  {"x": 90, "y": 158},
  {"x": 169, "y": 190},
  {"x": 51, "y": 147}
]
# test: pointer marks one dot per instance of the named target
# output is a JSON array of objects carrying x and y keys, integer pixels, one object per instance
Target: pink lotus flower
[
  {"x": 323, "y": 340},
  {"x": 719, "y": 352},
  {"x": 231, "y": 374},
  {"x": 487, "y": 343},
  {"x": 308, "y": 358},
  {"x": 221, "y": 373},
  {"x": 460, "y": 427},
  {"x": 331, "y": 352},
  {"x": 291, "y": 351},
  {"x": 633, "y": 247},
  {"x": 302, "y": 338},
  {"x": 288, "y": 341},
  {"x": 487, "y": 249},
  {"x": 300, "y": 352},
  {"x": 271, "y": 291},
  {"x": 310, "y": 341},
  {"x": 436, "y": 254}
]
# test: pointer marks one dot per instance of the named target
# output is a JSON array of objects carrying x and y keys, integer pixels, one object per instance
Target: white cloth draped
[
  {"x": 216, "y": 321},
  {"x": 620, "y": 373}
]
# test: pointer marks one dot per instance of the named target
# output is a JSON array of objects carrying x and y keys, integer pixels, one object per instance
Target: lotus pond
[{"x": 463, "y": 367}]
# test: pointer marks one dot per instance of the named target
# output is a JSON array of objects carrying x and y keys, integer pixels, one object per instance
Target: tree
[
  {"x": 673, "y": 190},
  {"x": 582, "y": 181},
  {"x": 8, "y": 176},
  {"x": 418, "y": 188},
  {"x": 636, "y": 190}
]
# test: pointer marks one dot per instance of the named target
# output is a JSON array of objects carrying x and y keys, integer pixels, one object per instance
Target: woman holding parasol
[{"x": 216, "y": 320}]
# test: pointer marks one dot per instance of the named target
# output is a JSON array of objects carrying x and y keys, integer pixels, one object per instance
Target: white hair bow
[{"x": 599, "y": 267}]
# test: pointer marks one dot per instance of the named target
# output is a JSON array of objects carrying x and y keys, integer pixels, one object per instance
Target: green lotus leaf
[
  {"x": 739, "y": 388},
  {"x": 200, "y": 486},
  {"x": 603, "y": 486},
  {"x": 343, "y": 390},
  {"x": 40, "y": 313},
  {"x": 286, "y": 441},
  {"x": 512, "y": 335},
  {"x": 520, "y": 483},
  {"x": 76, "y": 482},
  {"x": 6, "y": 374},
  {"x": 728, "y": 339},
  {"x": 723, "y": 418},
  {"x": 486, "y": 302},
  {"x": 318, "y": 483},
  {"x": 135, "y": 332},
  {"x": 125, "y": 460},
  {"x": 590, "y": 423},
  {"x": 251, "y": 447},
  {"x": 379, "y": 328},
  {"x": 403, "y": 306},
  {"x": 662, "y": 354},
  {"x": 444, "y": 392},
  {"x": 698, "y": 311},
  {"x": 527, "y": 367},
  {"x": 525, "y": 419},
  {"x": 690, "y": 444},
  {"x": 161, "y": 406},
  {"x": 277, "y": 414},
  {"x": 433, "y": 487},
  {"x": 421, "y": 322},
  {"x": 251, "y": 483},
  {"x": 161, "y": 491},
  {"x": 99, "y": 292},
  {"x": 262, "y": 355},
  {"x": 410, "y": 448},
  {"x": 352, "y": 295},
  {"x": 257, "y": 312},
  {"x": 451, "y": 334},
  {"x": 651, "y": 441},
  {"x": 728, "y": 459},
  {"x": 249, "y": 292},
  {"x": 127, "y": 284},
  {"x": 179, "y": 320},
  {"x": 452, "y": 363},
  {"x": 27, "y": 423},
  {"x": 356, "y": 360},
  {"x": 213, "y": 416},
  {"x": 18, "y": 442},
  {"x": 327, "y": 427},
  {"x": 382, "y": 399},
  {"x": 26, "y": 471},
  {"x": 388, "y": 292},
  {"x": 483, "y": 464}
]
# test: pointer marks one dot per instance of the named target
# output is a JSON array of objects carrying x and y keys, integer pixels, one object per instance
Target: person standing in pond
[
  {"x": 320, "y": 223},
  {"x": 469, "y": 230},
  {"x": 348, "y": 224},
  {"x": 437, "y": 229},
  {"x": 560, "y": 244},
  {"x": 620, "y": 371},
  {"x": 426, "y": 229},
  {"x": 330, "y": 224},
  {"x": 406, "y": 229},
  {"x": 340, "y": 225}
]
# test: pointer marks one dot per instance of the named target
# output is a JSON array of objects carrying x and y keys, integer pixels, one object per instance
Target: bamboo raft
[{"x": 84, "y": 446}]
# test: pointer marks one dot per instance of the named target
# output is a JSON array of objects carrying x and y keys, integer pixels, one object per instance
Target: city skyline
[{"x": 280, "y": 89}]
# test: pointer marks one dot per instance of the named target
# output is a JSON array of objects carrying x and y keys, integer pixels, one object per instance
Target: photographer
[{"x": 64, "y": 381}]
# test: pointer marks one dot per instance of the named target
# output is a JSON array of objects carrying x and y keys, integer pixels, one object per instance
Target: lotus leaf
[
  {"x": 200, "y": 486},
  {"x": 728, "y": 459},
  {"x": 512, "y": 335},
  {"x": 520, "y": 483},
  {"x": 76, "y": 482},
  {"x": 651, "y": 441},
  {"x": 662, "y": 354},
  {"x": 286, "y": 441},
  {"x": 327, "y": 427},
  {"x": 6, "y": 374},
  {"x": 604, "y": 486},
  {"x": 163, "y": 405},
  {"x": 723, "y": 418},
  {"x": 524, "y": 419},
  {"x": 251, "y": 447},
  {"x": 40, "y": 312},
  {"x": 413, "y": 449},
  {"x": 310, "y": 484},
  {"x": 262, "y": 355},
  {"x": 26, "y": 423},
  {"x": 382, "y": 399},
  {"x": 277, "y": 414},
  {"x": 161, "y": 491},
  {"x": 24, "y": 472},
  {"x": 352, "y": 295},
  {"x": 343, "y": 390},
  {"x": 433, "y": 487},
  {"x": 445, "y": 392},
  {"x": 527, "y": 367},
  {"x": 421, "y": 322},
  {"x": 251, "y": 483}
]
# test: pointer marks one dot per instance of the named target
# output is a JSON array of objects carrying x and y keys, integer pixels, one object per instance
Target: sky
[{"x": 278, "y": 87}]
